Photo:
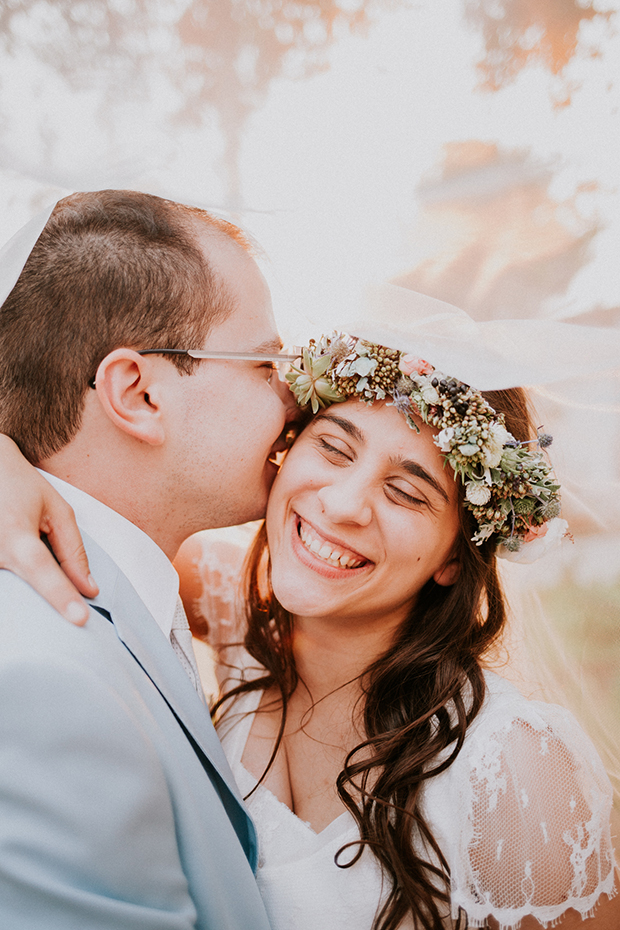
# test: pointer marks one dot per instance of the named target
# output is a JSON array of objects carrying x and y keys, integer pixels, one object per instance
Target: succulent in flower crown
[{"x": 509, "y": 485}]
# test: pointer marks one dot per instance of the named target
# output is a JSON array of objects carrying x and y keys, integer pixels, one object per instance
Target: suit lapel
[{"x": 139, "y": 632}]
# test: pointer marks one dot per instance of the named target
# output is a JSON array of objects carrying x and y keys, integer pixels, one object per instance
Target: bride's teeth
[{"x": 325, "y": 551}]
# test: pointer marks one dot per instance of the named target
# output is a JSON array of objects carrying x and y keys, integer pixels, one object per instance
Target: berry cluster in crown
[{"x": 509, "y": 486}]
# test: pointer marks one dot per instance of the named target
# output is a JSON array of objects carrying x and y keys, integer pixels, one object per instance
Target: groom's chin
[{"x": 254, "y": 509}]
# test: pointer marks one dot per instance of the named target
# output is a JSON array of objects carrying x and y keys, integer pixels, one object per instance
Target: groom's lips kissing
[
  {"x": 325, "y": 554},
  {"x": 274, "y": 459},
  {"x": 283, "y": 443}
]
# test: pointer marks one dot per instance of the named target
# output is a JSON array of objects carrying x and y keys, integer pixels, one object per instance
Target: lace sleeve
[
  {"x": 211, "y": 569},
  {"x": 220, "y": 565},
  {"x": 533, "y": 801}
]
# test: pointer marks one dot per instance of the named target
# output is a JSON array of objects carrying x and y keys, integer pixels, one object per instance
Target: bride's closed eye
[
  {"x": 399, "y": 496},
  {"x": 334, "y": 448},
  {"x": 339, "y": 452}
]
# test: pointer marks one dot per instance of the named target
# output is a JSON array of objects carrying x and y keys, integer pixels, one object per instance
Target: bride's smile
[
  {"x": 361, "y": 516},
  {"x": 317, "y": 547}
]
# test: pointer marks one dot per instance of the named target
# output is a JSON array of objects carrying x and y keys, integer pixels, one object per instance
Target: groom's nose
[
  {"x": 295, "y": 418},
  {"x": 293, "y": 413}
]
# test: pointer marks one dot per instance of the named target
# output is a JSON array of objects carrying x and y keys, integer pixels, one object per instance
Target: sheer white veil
[{"x": 14, "y": 253}]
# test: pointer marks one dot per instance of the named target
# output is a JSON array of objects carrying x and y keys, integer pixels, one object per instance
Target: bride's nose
[{"x": 346, "y": 500}]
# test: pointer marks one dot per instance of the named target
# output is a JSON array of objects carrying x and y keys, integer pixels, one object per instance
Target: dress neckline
[
  {"x": 235, "y": 729},
  {"x": 262, "y": 789}
]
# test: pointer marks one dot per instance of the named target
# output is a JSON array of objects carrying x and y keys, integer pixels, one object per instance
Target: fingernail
[
  {"x": 92, "y": 582},
  {"x": 76, "y": 612}
]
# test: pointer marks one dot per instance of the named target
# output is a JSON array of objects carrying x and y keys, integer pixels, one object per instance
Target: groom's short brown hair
[{"x": 110, "y": 269}]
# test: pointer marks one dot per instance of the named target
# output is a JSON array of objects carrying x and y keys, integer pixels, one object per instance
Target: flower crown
[{"x": 509, "y": 486}]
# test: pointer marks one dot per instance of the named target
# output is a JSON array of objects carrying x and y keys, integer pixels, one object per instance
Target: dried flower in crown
[{"x": 509, "y": 486}]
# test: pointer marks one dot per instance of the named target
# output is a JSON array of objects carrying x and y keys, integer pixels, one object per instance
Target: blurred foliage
[
  {"x": 205, "y": 56},
  {"x": 81, "y": 38},
  {"x": 212, "y": 54},
  {"x": 490, "y": 237},
  {"x": 587, "y": 618},
  {"x": 520, "y": 32},
  {"x": 234, "y": 50}
]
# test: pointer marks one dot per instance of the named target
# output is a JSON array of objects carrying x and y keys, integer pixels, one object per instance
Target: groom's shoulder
[
  {"x": 48, "y": 665},
  {"x": 31, "y": 628},
  {"x": 67, "y": 707},
  {"x": 19, "y": 600}
]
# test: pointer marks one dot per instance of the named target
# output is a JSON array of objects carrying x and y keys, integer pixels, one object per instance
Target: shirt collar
[{"x": 139, "y": 558}]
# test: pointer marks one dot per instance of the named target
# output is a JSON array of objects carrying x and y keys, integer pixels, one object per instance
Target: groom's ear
[{"x": 130, "y": 393}]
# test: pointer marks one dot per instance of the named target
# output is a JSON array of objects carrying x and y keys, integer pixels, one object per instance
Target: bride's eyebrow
[
  {"x": 417, "y": 471},
  {"x": 349, "y": 428}
]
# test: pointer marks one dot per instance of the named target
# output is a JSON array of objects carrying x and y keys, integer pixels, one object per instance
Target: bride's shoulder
[
  {"x": 523, "y": 761},
  {"x": 529, "y": 735},
  {"x": 504, "y": 705}
]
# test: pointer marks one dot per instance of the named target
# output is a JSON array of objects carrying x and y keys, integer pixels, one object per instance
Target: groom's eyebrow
[{"x": 269, "y": 346}]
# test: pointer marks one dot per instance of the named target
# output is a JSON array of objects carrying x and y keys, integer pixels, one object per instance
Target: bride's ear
[
  {"x": 448, "y": 573},
  {"x": 129, "y": 392}
]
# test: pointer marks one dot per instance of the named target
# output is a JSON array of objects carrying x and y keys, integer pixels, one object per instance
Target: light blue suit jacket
[{"x": 118, "y": 810}]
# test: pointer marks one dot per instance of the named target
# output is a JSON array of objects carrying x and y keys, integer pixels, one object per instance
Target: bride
[{"x": 394, "y": 780}]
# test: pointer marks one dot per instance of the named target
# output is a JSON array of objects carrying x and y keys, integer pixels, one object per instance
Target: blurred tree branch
[
  {"x": 520, "y": 32},
  {"x": 206, "y": 56},
  {"x": 217, "y": 55}
]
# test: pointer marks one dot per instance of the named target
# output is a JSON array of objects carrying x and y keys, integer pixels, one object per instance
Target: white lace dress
[{"x": 522, "y": 817}]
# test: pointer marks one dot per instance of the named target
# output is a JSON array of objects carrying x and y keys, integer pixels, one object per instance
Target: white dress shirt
[{"x": 140, "y": 559}]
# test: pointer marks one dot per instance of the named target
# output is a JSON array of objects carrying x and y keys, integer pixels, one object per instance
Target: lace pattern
[{"x": 528, "y": 830}]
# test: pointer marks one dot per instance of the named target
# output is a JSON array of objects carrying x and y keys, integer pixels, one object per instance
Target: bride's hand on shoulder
[{"x": 29, "y": 508}]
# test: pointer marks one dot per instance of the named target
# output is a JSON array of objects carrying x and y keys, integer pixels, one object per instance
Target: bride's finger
[
  {"x": 30, "y": 507},
  {"x": 63, "y": 536},
  {"x": 31, "y": 559}
]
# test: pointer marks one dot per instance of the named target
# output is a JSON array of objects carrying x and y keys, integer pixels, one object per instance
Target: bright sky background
[{"x": 330, "y": 164}]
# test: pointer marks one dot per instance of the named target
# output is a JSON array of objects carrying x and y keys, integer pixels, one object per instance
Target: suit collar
[
  {"x": 138, "y": 556},
  {"x": 152, "y": 651}
]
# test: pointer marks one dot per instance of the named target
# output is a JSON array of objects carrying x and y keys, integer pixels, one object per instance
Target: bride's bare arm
[{"x": 31, "y": 507}]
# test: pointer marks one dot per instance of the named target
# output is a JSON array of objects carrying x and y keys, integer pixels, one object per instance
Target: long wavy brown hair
[{"x": 419, "y": 697}]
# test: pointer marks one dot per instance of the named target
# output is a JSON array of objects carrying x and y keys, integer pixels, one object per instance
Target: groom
[{"x": 117, "y": 806}]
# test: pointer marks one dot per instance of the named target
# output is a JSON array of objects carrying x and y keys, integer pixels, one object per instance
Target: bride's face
[{"x": 362, "y": 514}]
